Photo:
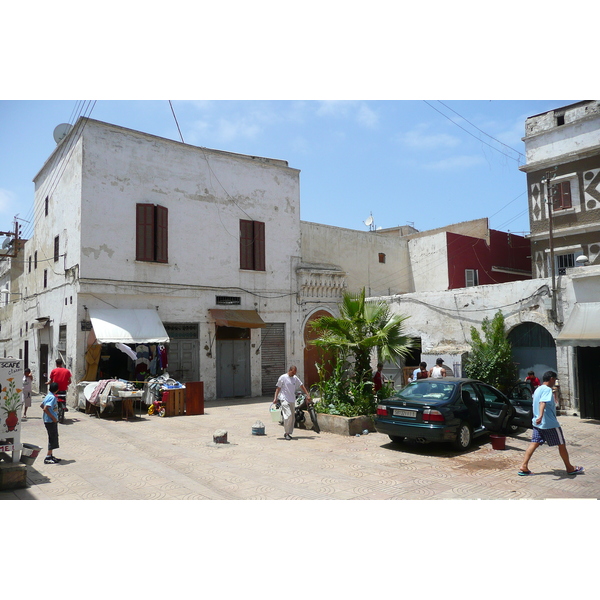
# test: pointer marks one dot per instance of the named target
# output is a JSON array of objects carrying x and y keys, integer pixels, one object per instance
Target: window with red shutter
[
  {"x": 562, "y": 196},
  {"x": 259, "y": 246},
  {"x": 162, "y": 234},
  {"x": 152, "y": 228},
  {"x": 252, "y": 245}
]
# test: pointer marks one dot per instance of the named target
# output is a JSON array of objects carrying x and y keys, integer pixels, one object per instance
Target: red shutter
[
  {"x": 562, "y": 196},
  {"x": 162, "y": 234},
  {"x": 246, "y": 244},
  {"x": 259, "y": 246},
  {"x": 565, "y": 192},
  {"x": 144, "y": 244}
]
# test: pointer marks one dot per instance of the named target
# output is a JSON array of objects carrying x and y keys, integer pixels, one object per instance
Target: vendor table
[{"x": 127, "y": 399}]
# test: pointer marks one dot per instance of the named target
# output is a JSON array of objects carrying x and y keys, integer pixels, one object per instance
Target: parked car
[{"x": 451, "y": 410}]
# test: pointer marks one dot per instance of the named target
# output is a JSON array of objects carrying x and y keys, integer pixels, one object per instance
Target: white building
[{"x": 199, "y": 247}]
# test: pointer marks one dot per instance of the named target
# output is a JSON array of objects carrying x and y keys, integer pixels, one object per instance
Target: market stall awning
[
  {"x": 128, "y": 326},
  {"x": 582, "y": 328},
  {"x": 225, "y": 317}
]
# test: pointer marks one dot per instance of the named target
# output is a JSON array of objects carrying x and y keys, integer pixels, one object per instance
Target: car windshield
[{"x": 426, "y": 391}]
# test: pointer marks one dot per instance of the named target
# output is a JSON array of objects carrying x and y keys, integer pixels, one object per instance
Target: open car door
[
  {"x": 497, "y": 409},
  {"x": 521, "y": 397}
]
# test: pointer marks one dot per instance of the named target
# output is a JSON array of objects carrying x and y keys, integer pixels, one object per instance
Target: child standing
[
  {"x": 26, "y": 391},
  {"x": 50, "y": 407}
]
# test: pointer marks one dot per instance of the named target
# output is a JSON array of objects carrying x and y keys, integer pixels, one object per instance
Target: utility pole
[{"x": 549, "y": 201}]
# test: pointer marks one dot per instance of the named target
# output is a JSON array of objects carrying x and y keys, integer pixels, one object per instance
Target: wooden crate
[{"x": 175, "y": 402}]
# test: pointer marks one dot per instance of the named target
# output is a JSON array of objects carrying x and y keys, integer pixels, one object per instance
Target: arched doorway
[
  {"x": 533, "y": 349},
  {"x": 313, "y": 354}
]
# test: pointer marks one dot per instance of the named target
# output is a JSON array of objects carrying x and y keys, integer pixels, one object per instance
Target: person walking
[
  {"x": 546, "y": 429},
  {"x": 287, "y": 386},
  {"x": 438, "y": 371},
  {"x": 26, "y": 391},
  {"x": 50, "y": 408},
  {"x": 379, "y": 378}
]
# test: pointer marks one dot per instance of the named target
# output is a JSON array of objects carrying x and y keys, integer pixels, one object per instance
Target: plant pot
[
  {"x": 345, "y": 425},
  {"x": 498, "y": 441}
]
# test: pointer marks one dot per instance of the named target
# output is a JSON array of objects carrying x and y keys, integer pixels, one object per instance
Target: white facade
[
  {"x": 443, "y": 320},
  {"x": 547, "y": 144},
  {"x": 91, "y": 185},
  {"x": 368, "y": 259}
]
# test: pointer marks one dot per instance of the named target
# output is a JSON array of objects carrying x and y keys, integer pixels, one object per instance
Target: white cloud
[
  {"x": 228, "y": 129},
  {"x": 366, "y": 116},
  {"x": 223, "y": 130},
  {"x": 419, "y": 138},
  {"x": 454, "y": 162},
  {"x": 349, "y": 109}
]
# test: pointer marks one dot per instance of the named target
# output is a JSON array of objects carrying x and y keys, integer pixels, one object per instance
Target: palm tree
[{"x": 363, "y": 326}]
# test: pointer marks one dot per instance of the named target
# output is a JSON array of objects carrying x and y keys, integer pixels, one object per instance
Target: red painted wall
[{"x": 506, "y": 250}]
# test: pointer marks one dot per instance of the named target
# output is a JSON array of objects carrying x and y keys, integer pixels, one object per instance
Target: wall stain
[{"x": 95, "y": 252}]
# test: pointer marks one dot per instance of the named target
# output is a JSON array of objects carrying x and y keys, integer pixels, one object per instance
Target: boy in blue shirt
[
  {"x": 546, "y": 429},
  {"x": 50, "y": 408}
]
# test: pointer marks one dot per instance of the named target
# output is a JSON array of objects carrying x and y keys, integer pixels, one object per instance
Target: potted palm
[{"x": 364, "y": 327}]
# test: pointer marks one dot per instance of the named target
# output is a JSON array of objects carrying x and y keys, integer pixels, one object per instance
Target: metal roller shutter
[{"x": 272, "y": 356}]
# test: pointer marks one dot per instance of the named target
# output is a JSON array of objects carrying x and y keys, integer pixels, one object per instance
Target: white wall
[
  {"x": 92, "y": 208},
  {"x": 357, "y": 254},
  {"x": 429, "y": 262},
  {"x": 206, "y": 192},
  {"x": 560, "y": 143}
]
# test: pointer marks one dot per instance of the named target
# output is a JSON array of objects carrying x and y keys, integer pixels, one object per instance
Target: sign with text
[{"x": 11, "y": 401}]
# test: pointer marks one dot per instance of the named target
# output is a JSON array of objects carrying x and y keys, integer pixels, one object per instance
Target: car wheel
[
  {"x": 397, "y": 439},
  {"x": 463, "y": 437}
]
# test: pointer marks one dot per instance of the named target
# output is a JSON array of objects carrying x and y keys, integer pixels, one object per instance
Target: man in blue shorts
[{"x": 546, "y": 428}]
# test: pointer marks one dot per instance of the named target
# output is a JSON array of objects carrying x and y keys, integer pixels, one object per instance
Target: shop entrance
[
  {"x": 43, "y": 368},
  {"x": 588, "y": 359},
  {"x": 233, "y": 362},
  {"x": 184, "y": 351},
  {"x": 314, "y": 355}
]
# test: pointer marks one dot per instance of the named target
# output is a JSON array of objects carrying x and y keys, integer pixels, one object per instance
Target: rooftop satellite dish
[
  {"x": 369, "y": 221},
  {"x": 61, "y": 131},
  {"x": 5, "y": 243}
]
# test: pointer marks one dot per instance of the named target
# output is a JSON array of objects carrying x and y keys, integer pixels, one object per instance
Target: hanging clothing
[
  {"x": 92, "y": 360},
  {"x": 162, "y": 354}
]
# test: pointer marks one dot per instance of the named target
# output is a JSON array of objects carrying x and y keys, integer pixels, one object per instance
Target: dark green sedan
[{"x": 451, "y": 410}]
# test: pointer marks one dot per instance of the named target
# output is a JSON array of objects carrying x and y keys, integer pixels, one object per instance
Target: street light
[{"x": 6, "y": 293}]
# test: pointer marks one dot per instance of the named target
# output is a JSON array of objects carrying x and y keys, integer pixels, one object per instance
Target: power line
[
  {"x": 471, "y": 134},
  {"x": 484, "y": 133},
  {"x": 176, "y": 123}
]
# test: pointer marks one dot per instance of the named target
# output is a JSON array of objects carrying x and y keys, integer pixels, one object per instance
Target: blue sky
[{"x": 430, "y": 163}]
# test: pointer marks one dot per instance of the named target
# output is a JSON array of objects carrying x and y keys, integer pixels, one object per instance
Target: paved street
[{"x": 154, "y": 458}]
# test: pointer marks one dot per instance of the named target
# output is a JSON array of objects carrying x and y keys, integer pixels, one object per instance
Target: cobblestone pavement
[{"x": 153, "y": 458}]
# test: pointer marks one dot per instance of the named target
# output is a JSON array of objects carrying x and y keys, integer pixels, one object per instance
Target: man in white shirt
[{"x": 287, "y": 386}]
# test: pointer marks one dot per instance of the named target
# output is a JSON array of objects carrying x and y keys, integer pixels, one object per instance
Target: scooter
[
  {"x": 303, "y": 404},
  {"x": 61, "y": 399}
]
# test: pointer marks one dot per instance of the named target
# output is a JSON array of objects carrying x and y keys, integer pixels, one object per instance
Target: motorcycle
[
  {"x": 303, "y": 404},
  {"x": 61, "y": 398}
]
